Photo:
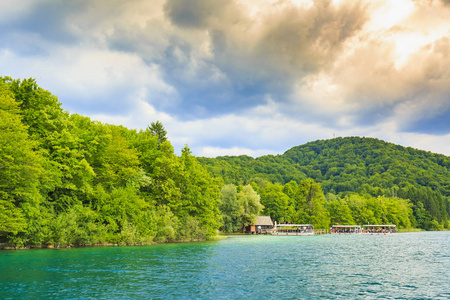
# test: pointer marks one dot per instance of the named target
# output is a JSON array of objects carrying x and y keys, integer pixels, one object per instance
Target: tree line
[
  {"x": 306, "y": 203},
  {"x": 352, "y": 167},
  {"x": 68, "y": 180}
]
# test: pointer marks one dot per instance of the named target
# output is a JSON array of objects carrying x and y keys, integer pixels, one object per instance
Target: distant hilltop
[
  {"x": 356, "y": 164},
  {"x": 352, "y": 172}
]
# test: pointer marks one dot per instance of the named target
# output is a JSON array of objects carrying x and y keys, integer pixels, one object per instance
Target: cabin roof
[
  {"x": 263, "y": 221},
  {"x": 347, "y": 226},
  {"x": 385, "y": 225}
]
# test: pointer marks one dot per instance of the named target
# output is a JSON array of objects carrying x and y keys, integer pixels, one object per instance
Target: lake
[{"x": 396, "y": 266}]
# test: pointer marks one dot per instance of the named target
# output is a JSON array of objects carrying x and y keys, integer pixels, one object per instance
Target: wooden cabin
[{"x": 263, "y": 225}]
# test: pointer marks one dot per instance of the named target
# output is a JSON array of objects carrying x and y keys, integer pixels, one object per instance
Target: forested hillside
[
  {"x": 68, "y": 180},
  {"x": 360, "y": 164},
  {"x": 240, "y": 169},
  {"x": 353, "y": 167}
]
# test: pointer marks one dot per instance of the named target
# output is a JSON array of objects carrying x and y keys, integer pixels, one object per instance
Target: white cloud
[
  {"x": 235, "y": 151},
  {"x": 251, "y": 77},
  {"x": 11, "y": 11},
  {"x": 86, "y": 76}
]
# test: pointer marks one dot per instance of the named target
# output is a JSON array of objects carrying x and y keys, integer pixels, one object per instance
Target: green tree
[
  {"x": 21, "y": 168},
  {"x": 250, "y": 202},
  {"x": 275, "y": 202},
  {"x": 230, "y": 208},
  {"x": 120, "y": 162},
  {"x": 157, "y": 129},
  {"x": 312, "y": 201},
  {"x": 199, "y": 194},
  {"x": 360, "y": 211},
  {"x": 339, "y": 212}
]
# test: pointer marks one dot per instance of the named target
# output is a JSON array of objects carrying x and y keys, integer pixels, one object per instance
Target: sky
[{"x": 232, "y": 77}]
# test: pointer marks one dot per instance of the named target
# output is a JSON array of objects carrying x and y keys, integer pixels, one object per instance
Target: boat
[
  {"x": 293, "y": 229},
  {"x": 346, "y": 229},
  {"x": 379, "y": 229}
]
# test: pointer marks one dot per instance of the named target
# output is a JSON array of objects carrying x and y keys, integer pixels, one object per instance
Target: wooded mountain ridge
[
  {"x": 356, "y": 164},
  {"x": 349, "y": 165}
]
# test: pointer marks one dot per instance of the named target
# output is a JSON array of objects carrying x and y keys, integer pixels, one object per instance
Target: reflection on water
[{"x": 402, "y": 266}]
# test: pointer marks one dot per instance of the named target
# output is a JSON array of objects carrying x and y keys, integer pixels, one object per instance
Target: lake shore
[
  {"x": 6, "y": 246},
  {"x": 219, "y": 236}
]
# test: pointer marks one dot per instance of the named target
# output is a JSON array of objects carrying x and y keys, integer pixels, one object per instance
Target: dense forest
[
  {"x": 69, "y": 180},
  {"x": 353, "y": 172}
]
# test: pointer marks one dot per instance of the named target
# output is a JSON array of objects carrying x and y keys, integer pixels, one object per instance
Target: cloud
[
  {"x": 231, "y": 75},
  {"x": 32, "y": 29},
  {"x": 268, "y": 53},
  {"x": 198, "y": 13},
  {"x": 91, "y": 81},
  {"x": 372, "y": 82},
  {"x": 223, "y": 58},
  {"x": 235, "y": 151},
  {"x": 264, "y": 130}
]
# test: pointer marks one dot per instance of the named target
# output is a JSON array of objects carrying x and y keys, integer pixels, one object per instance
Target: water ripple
[{"x": 399, "y": 266}]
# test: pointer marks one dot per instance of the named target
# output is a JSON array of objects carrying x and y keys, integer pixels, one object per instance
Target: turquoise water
[{"x": 397, "y": 266}]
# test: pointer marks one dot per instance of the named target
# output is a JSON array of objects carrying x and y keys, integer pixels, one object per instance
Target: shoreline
[
  {"x": 5, "y": 246},
  {"x": 219, "y": 236}
]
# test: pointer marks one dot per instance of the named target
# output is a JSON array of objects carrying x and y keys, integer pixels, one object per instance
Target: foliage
[
  {"x": 250, "y": 203},
  {"x": 239, "y": 209},
  {"x": 241, "y": 170},
  {"x": 231, "y": 209},
  {"x": 157, "y": 130},
  {"x": 301, "y": 203},
  {"x": 343, "y": 167},
  {"x": 67, "y": 180}
]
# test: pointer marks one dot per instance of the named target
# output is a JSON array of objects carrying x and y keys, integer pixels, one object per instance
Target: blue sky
[{"x": 230, "y": 77}]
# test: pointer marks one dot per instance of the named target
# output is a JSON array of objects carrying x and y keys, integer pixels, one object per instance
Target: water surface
[{"x": 397, "y": 266}]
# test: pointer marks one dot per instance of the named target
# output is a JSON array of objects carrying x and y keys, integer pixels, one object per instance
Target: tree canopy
[
  {"x": 345, "y": 167},
  {"x": 68, "y": 180}
]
